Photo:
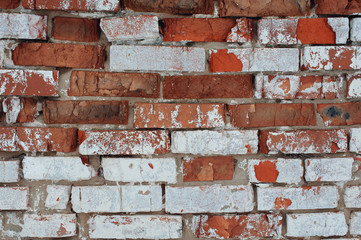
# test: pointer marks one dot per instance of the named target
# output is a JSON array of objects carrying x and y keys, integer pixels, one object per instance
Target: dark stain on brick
[{"x": 333, "y": 112}]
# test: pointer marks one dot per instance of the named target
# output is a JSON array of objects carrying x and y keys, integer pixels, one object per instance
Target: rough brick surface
[
  {"x": 75, "y": 29},
  {"x": 9, "y": 171},
  {"x": 59, "y": 55},
  {"x": 355, "y": 34},
  {"x": 74, "y": 5},
  {"x": 19, "y": 110},
  {"x": 340, "y": 7},
  {"x": 355, "y": 223},
  {"x": 352, "y": 196},
  {"x": 57, "y": 196},
  {"x": 340, "y": 113},
  {"x": 355, "y": 140},
  {"x": 328, "y": 169},
  {"x": 14, "y": 198},
  {"x": 354, "y": 86},
  {"x": 9, "y": 4}
]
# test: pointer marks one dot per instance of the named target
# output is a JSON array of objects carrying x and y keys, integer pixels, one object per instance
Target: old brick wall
[{"x": 180, "y": 119}]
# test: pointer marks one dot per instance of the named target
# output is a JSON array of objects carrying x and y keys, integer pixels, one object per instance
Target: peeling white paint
[
  {"x": 340, "y": 27},
  {"x": 277, "y": 31},
  {"x": 355, "y": 140},
  {"x": 354, "y": 87},
  {"x": 57, "y": 196},
  {"x": 328, "y": 169},
  {"x": 355, "y": 30},
  {"x": 12, "y": 108}
]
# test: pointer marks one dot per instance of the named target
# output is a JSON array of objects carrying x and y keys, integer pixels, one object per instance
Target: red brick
[
  {"x": 76, "y": 29},
  {"x": 268, "y": 115},
  {"x": 237, "y": 226},
  {"x": 73, "y": 5},
  {"x": 86, "y": 112},
  {"x": 303, "y": 141},
  {"x": 109, "y": 84},
  {"x": 171, "y": 6},
  {"x": 207, "y": 30},
  {"x": 9, "y": 4},
  {"x": 59, "y": 55},
  {"x": 208, "y": 169},
  {"x": 315, "y": 31},
  {"x": 24, "y": 109},
  {"x": 338, "y": 114},
  {"x": 264, "y": 8},
  {"x": 207, "y": 86},
  {"x": 341, "y": 7},
  {"x": 173, "y": 115}
]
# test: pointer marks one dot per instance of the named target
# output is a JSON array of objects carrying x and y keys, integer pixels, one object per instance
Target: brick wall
[{"x": 180, "y": 119}]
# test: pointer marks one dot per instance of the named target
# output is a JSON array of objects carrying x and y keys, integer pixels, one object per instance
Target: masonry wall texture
[{"x": 180, "y": 119}]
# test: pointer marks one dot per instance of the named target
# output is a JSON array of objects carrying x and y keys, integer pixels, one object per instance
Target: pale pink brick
[
  {"x": 130, "y": 28},
  {"x": 275, "y": 170},
  {"x": 354, "y": 86},
  {"x": 352, "y": 197},
  {"x": 328, "y": 169},
  {"x": 57, "y": 196},
  {"x": 134, "y": 227},
  {"x": 9, "y": 171},
  {"x": 316, "y": 224},
  {"x": 355, "y": 223},
  {"x": 49, "y": 226},
  {"x": 157, "y": 58},
  {"x": 214, "y": 199},
  {"x": 275, "y": 198},
  {"x": 123, "y": 142},
  {"x": 29, "y": 82},
  {"x": 22, "y": 26},
  {"x": 14, "y": 198}
]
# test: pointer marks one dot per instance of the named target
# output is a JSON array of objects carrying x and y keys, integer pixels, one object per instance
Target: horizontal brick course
[{"x": 75, "y": 29}]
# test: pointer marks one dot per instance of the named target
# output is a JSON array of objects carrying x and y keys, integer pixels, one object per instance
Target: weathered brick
[
  {"x": 57, "y": 196},
  {"x": 74, "y": 5},
  {"x": 215, "y": 142},
  {"x": 352, "y": 197},
  {"x": 354, "y": 86},
  {"x": 56, "y": 169},
  {"x": 86, "y": 112},
  {"x": 303, "y": 141},
  {"x": 123, "y": 142},
  {"x": 214, "y": 198},
  {"x": 139, "y": 226},
  {"x": 355, "y": 34},
  {"x": 207, "y": 29},
  {"x": 9, "y": 4},
  {"x": 298, "y": 87},
  {"x": 107, "y": 84},
  {"x": 19, "y": 110},
  {"x": 275, "y": 170},
  {"x": 140, "y": 169},
  {"x": 331, "y": 58},
  {"x": 355, "y": 223},
  {"x": 273, "y": 114},
  {"x": 173, "y": 115},
  {"x": 49, "y": 226},
  {"x": 9, "y": 171},
  {"x": 59, "y": 55},
  {"x": 75, "y": 29},
  {"x": 164, "y": 58},
  {"x": 14, "y": 198},
  {"x": 141, "y": 198},
  {"x": 172, "y": 6},
  {"x": 338, "y": 114},
  {"x": 262, "y": 8},
  {"x": 29, "y": 82},
  {"x": 254, "y": 60},
  {"x": 340, "y": 7},
  {"x": 8, "y": 139},
  {"x": 276, "y": 198},
  {"x": 2, "y": 54},
  {"x": 355, "y": 140},
  {"x": 328, "y": 169},
  {"x": 316, "y": 224},
  {"x": 237, "y": 226},
  {"x": 207, "y": 86},
  {"x": 22, "y": 26},
  {"x": 207, "y": 169},
  {"x": 130, "y": 28}
]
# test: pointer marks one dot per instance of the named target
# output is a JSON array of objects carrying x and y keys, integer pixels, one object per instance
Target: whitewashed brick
[
  {"x": 352, "y": 197},
  {"x": 215, "y": 142},
  {"x": 56, "y": 169},
  {"x": 354, "y": 85},
  {"x": 141, "y": 198},
  {"x": 277, "y": 31},
  {"x": 22, "y": 26},
  {"x": 355, "y": 223},
  {"x": 328, "y": 169},
  {"x": 355, "y": 30},
  {"x": 2, "y": 54},
  {"x": 83, "y": 5},
  {"x": 9, "y": 171},
  {"x": 340, "y": 26},
  {"x": 49, "y": 226},
  {"x": 316, "y": 224},
  {"x": 12, "y": 108},
  {"x": 355, "y": 140},
  {"x": 214, "y": 199},
  {"x": 57, "y": 196},
  {"x": 140, "y": 169},
  {"x": 279, "y": 170},
  {"x": 157, "y": 58},
  {"x": 130, "y": 28},
  {"x": 273, "y": 198},
  {"x": 14, "y": 198},
  {"x": 135, "y": 227}
]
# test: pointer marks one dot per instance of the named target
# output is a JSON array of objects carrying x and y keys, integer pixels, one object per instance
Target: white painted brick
[
  {"x": 277, "y": 31},
  {"x": 355, "y": 140},
  {"x": 273, "y": 198},
  {"x": 354, "y": 86},
  {"x": 215, "y": 142},
  {"x": 214, "y": 199},
  {"x": 56, "y": 169},
  {"x": 130, "y": 28},
  {"x": 140, "y": 169},
  {"x": 352, "y": 197},
  {"x": 2, "y": 54},
  {"x": 83, "y": 5},
  {"x": 340, "y": 26},
  {"x": 135, "y": 227},
  {"x": 22, "y": 26},
  {"x": 355, "y": 223},
  {"x": 9, "y": 171},
  {"x": 12, "y": 108},
  {"x": 141, "y": 198},
  {"x": 157, "y": 58},
  {"x": 14, "y": 198},
  {"x": 57, "y": 196},
  {"x": 355, "y": 30},
  {"x": 49, "y": 226},
  {"x": 316, "y": 224},
  {"x": 286, "y": 170},
  {"x": 328, "y": 169}
]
